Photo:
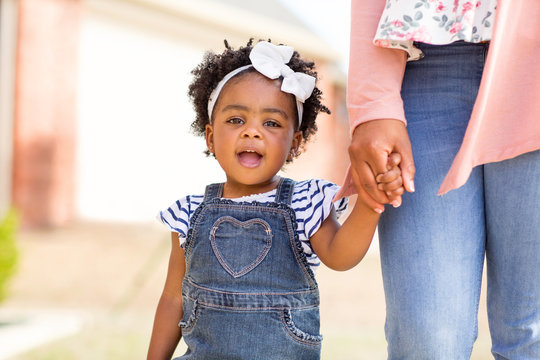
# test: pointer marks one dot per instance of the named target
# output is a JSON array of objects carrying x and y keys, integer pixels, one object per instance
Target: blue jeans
[{"x": 433, "y": 247}]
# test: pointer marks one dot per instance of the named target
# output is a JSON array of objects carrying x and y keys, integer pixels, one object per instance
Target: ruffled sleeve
[
  {"x": 313, "y": 203},
  {"x": 177, "y": 216}
]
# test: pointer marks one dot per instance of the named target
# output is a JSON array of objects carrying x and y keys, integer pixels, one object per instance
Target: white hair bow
[{"x": 271, "y": 61}]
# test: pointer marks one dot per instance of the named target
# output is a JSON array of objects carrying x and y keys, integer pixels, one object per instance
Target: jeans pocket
[
  {"x": 191, "y": 315},
  {"x": 240, "y": 246},
  {"x": 301, "y": 325}
]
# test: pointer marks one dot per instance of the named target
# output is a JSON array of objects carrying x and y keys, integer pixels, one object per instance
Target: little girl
[{"x": 241, "y": 280}]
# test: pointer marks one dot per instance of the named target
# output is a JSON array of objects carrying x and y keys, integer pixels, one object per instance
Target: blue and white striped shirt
[{"x": 312, "y": 202}]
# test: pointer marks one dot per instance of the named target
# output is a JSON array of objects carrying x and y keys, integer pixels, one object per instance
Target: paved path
[{"x": 21, "y": 330}]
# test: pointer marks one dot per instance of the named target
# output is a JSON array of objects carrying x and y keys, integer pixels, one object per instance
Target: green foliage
[{"x": 8, "y": 250}]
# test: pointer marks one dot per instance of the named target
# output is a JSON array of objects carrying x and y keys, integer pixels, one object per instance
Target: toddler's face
[{"x": 253, "y": 132}]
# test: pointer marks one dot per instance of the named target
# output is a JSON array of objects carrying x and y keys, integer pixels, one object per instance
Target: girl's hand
[{"x": 391, "y": 182}]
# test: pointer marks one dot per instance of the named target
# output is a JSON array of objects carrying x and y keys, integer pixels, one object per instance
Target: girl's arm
[
  {"x": 342, "y": 247},
  {"x": 166, "y": 333}
]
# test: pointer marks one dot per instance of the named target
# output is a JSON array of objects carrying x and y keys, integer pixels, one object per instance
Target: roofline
[{"x": 224, "y": 18}]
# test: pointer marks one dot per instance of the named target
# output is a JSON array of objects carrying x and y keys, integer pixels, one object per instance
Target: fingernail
[
  {"x": 379, "y": 211},
  {"x": 396, "y": 203},
  {"x": 411, "y": 185}
]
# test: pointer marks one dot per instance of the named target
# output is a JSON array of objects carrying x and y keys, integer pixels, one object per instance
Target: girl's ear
[
  {"x": 297, "y": 140},
  {"x": 210, "y": 138}
]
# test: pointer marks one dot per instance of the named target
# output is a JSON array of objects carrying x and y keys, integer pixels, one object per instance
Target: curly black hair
[{"x": 214, "y": 67}]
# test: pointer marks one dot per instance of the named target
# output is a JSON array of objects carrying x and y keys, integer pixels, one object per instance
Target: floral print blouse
[{"x": 434, "y": 22}]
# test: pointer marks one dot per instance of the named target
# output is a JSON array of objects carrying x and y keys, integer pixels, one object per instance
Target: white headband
[{"x": 271, "y": 61}]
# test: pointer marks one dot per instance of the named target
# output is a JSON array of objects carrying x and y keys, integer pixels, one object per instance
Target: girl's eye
[
  {"x": 271, "y": 123},
  {"x": 235, "y": 120}
]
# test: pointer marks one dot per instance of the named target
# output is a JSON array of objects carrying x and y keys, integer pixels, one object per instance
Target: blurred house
[{"x": 94, "y": 116}]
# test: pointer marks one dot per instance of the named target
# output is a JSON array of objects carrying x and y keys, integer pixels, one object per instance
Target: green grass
[{"x": 8, "y": 251}]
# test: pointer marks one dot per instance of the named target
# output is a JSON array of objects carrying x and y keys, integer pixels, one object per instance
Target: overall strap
[
  {"x": 213, "y": 191},
  {"x": 284, "y": 191}
]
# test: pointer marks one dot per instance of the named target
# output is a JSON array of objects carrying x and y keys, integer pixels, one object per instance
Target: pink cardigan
[{"x": 505, "y": 121}]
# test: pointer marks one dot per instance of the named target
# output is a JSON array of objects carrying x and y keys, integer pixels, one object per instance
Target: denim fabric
[
  {"x": 433, "y": 247},
  {"x": 248, "y": 291}
]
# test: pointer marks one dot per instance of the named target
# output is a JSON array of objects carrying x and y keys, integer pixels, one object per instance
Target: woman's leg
[
  {"x": 432, "y": 247},
  {"x": 512, "y": 191}
]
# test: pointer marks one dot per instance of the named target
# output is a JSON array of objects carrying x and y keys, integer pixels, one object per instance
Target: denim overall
[{"x": 248, "y": 290}]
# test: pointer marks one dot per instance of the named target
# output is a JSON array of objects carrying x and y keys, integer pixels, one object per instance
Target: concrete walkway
[
  {"x": 68, "y": 275},
  {"x": 21, "y": 330}
]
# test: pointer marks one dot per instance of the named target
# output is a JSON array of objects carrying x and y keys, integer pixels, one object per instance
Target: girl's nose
[{"x": 251, "y": 131}]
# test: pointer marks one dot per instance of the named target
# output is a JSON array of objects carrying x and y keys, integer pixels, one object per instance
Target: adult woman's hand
[{"x": 371, "y": 144}]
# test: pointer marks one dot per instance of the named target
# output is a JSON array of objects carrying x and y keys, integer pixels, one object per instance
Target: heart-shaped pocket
[{"x": 240, "y": 246}]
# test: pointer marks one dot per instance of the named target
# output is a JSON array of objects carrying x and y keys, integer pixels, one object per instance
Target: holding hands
[
  {"x": 391, "y": 182},
  {"x": 381, "y": 162}
]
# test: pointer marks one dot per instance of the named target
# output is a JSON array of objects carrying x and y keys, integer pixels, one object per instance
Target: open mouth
[{"x": 249, "y": 158}]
